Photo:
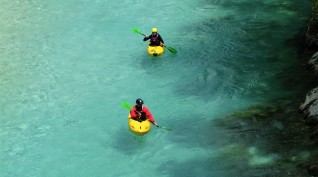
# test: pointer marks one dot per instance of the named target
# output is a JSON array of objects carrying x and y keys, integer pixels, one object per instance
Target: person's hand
[
  {"x": 146, "y": 36},
  {"x": 155, "y": 124}
]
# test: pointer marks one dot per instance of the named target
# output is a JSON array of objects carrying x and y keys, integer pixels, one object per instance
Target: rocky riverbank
[{"x": 309, "y": 108}]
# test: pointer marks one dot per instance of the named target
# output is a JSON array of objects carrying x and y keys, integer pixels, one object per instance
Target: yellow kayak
[
  {"x": 138, "y": 128},
  {"x": 155, "y": 50}
]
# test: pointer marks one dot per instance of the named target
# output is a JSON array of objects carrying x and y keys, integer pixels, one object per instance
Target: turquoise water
[{"x": 65, "y": 66}]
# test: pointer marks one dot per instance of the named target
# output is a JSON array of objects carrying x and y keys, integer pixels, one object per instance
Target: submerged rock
[
  {"x": 310, "y": 107},
  {"x": 313, "y": 63},
  {"x": 312, "y": 30},
  {"x": 313, "y": 169},
  {"x": 268, "y": 137}
]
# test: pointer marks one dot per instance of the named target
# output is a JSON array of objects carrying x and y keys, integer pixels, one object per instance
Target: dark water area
[{"x": 275, "y": 126}]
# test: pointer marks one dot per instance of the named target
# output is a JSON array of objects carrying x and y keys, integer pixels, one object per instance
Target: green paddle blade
[
  {"x": 126, "y": 105},
  {"x": 136, "y": 30},
  {"x": 172, "y": 50}
]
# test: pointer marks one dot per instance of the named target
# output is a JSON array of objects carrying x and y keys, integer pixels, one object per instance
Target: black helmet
[{"x": 139, "y": 102}]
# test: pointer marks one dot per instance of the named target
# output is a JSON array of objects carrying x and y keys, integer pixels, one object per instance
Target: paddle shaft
[{"x": 142, "y": 34}]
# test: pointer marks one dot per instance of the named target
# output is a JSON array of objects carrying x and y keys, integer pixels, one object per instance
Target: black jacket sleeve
[
  {"x": 147, "y": 38},
  {"x": 160, "y": 39}
]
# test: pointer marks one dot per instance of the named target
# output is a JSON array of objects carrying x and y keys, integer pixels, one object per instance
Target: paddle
[
  {"x": 129, "y": 107},
  {"x": 126, "y": 105},
  {"x": 172, "y": 50},
  {"x": 137, "y": 31}
]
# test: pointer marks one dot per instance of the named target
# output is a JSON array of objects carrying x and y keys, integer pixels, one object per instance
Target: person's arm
[
  {"x": 155, "y": 124},
  {"x": 149, "y": 116},
  {"x": 161, "y": 40},
  {"x": 134, "y": 114},
  {"x": 147, "y": 37}
]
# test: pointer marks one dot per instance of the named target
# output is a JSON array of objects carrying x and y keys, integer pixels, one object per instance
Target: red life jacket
[
  {"x": 155, "y": 38},
  {"x": 144, "y": 110}
]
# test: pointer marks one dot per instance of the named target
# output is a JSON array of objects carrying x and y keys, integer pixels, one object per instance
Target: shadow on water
[
  {"x": 264, "y": 140},
  {"x": 276, "y": 130},
  {"x": 217, "y": 167},
  {"x": 268, "y": 139},
  {"x": 233, "y": 54},
  {"x": 128, "y": 143}
]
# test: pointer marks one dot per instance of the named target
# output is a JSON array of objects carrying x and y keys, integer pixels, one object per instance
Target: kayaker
[
  {"x": 141, "y": 113},
  {"x": 155, "y": 38}
]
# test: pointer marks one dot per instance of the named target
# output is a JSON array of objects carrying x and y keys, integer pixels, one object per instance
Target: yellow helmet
[{"x": 154, "y": 30}]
